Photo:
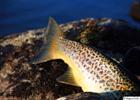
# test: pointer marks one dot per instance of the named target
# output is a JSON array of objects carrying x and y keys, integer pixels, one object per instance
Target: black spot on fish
[
  {"x": 101, "y": 72},
  {"x": 106, "y": 89},
  {"x": 102, "y": 81},
  {"x": 91, "y": 71},
  {"x": 98, "y": 77},
  {"x": 88, "y": 61},
  {"x": 84, "y": 66}
]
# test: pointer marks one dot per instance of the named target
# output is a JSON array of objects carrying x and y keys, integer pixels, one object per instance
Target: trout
[{"x": 88, "y": 68}]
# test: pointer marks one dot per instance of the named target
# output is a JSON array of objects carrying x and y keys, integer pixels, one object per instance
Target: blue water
[{"x": 21, "y": 15}]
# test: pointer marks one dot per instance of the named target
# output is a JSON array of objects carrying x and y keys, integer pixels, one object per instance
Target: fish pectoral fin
[{"x": 67, "y": 78}]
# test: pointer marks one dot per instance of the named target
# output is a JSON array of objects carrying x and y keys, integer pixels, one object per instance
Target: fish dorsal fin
[
  {"x": 67, "y": 78},
  {"x": 50, "y": 46}
]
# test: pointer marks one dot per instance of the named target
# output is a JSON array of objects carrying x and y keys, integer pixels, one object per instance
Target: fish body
[{"x": 88, "y": 67}]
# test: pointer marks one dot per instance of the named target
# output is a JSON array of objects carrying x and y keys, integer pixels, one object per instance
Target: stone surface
[
  {"x": 83, "y": 96},
  {"x": 19, "y": 79},
  {"x": 132, "y": 60}
]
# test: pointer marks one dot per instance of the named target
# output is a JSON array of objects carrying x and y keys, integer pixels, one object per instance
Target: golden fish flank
[{"x": 89, "y": 68}]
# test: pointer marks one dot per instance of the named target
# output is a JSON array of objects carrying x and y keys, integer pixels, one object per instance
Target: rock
[
  {"x": 117, "y": 24},
  {"x": 83, "y": 96},
  {"x": 92, "y": 96},
  {"x": 135, "y": 10},
  {"x": 132, "y": 60},
  {"x": 21, "y": 80}
]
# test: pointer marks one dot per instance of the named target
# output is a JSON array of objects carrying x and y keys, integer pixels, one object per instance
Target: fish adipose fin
[
  {"x": 68, "y": 78},
  {"x": 49, "y": 48}
]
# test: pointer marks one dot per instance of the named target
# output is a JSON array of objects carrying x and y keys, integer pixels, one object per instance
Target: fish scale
[{"x": 88, "y": 67}]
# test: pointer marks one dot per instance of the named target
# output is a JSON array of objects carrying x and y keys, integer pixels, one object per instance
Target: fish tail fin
[{"x": 50, "y": 46}]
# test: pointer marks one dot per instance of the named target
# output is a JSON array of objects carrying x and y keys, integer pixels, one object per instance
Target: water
[{"x": 21, "y": 15}]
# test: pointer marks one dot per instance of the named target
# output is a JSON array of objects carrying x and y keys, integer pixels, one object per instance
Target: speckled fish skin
[
  {"x": 101, "y": 73},
  {"x": 92, "y": 70}
]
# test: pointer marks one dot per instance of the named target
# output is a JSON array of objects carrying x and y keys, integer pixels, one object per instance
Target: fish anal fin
[{"x": 68, "y": 78}]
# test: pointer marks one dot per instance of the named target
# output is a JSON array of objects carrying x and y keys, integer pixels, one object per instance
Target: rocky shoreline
[{"x": 21, "y": 80}]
